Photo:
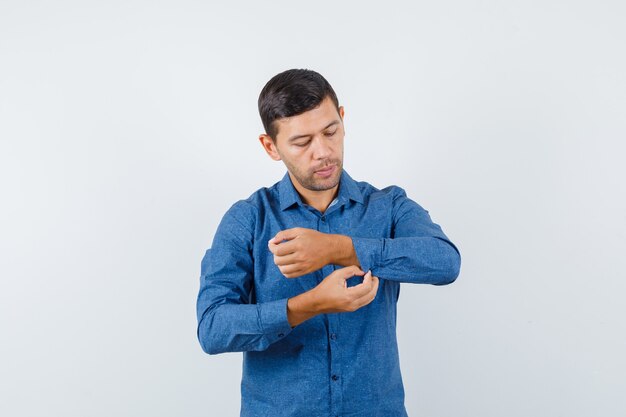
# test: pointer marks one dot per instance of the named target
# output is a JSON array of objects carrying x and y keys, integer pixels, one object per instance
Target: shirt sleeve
[
  {"x": 418, "y": 251},
  {"x": 228, "y": 320}
]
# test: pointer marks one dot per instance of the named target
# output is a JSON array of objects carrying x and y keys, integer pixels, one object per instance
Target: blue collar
[{"x": 348, "y": 190}]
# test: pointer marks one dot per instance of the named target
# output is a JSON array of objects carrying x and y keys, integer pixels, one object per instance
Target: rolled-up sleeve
[
  {"x": 418, "y": 251},
  {"x": 228, "y": 321}
]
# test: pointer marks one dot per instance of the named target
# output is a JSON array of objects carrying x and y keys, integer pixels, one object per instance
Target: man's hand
[
  {"x": 303, "y": 251},
  {"x": 300, "y": 251},
  {"x": 333, "y": 295}
]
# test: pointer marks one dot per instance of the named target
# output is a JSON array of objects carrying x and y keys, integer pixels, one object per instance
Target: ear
[
  {"x": 341, "y": 114},
  {"x": 269, "y": 146}
]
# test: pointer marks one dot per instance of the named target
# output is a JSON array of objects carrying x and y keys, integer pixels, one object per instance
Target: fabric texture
[{"x": 340, "y": 364}]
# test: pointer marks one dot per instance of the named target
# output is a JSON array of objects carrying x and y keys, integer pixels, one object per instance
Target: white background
[{"x": 127, "y": 128}]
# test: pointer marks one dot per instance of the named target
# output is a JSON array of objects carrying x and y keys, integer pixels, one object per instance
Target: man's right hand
[{"x": 333, "y": 295}]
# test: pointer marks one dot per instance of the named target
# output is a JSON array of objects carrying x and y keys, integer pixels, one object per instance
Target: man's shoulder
[
  {"x": 392, "y": 199},
  {"x": 261, "y": 197},
  {"x": 372, "y": 193},
  {"x": 248, "y": 209}
]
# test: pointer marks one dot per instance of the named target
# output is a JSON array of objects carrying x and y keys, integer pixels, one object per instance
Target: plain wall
[{"x": 128, "y": 128}]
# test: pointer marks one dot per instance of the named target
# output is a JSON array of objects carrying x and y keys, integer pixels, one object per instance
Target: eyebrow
[{"x": 291, "y": 139}]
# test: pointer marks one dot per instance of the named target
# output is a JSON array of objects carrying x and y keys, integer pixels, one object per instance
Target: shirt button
[
  {"x": 333, "y": 336},
  {"x": 323, "y": 218},
  {"x": 281, "y": 334},
  {"x": 335, "y": 377}
]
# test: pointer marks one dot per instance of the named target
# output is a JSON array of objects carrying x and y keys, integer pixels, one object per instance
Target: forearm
[
  {"x": 424, "y": 259},
  {"x": 231, "y": 327},
  {"x": 341, "y": 251},
  {"x": 301, "y": 308}
]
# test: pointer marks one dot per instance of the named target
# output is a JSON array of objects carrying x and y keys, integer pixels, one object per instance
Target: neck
[{"x": 319, "y": 200}]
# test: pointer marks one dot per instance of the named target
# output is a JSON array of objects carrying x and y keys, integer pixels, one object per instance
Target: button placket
[
  {"x": 335, "y": 363},
  {"x": 323, "y": 225}
]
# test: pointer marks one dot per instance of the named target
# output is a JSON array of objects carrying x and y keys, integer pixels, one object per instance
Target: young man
[{"x": 304, "y": 276}]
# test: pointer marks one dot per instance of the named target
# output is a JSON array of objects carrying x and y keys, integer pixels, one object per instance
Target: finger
[
  {"x": 370, "y": 295},
  {"x": 290, "y": 271},
  {"x": 272, "y": 246},
  {"x": 363, "y": 288},
  {"x": 286, "y": 234},
  {"x": 367, "y": 279},
  {"x": 280, "y": 249},
  {"x": 371, "y": 287},
  {"x": 285, "y": 248},
  {"x": 349, "y": 271},
  {"x": 286, "y": 259}
]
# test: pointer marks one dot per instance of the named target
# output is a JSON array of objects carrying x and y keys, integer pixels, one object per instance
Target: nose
[{"x": 321, "y": 148}]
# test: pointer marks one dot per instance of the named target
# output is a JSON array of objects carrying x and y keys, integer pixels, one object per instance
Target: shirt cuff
[
  {"x": 368, "y": 251},
  {"x": 273, "y": 319}
]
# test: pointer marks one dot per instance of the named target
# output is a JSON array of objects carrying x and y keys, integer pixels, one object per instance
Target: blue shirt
[{"x": 340, "y": 364}]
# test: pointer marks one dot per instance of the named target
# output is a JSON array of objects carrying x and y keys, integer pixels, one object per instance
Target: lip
[{"x": 327, "y": 171}]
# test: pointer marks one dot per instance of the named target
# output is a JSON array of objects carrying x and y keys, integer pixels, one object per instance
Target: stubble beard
[{"x": 309, "y": 181}]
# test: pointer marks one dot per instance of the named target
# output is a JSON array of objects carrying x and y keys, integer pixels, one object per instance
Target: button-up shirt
[{"x": 339, "y": 364}]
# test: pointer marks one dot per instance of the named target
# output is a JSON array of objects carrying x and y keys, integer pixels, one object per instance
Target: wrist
[
  {"x": 343, "y": 253},
  {"x": 331, "y": 246},
  {"x": 302, "y": 307}
]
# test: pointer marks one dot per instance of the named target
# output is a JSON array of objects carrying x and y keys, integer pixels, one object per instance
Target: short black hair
[{"x": 290, "y": 93}]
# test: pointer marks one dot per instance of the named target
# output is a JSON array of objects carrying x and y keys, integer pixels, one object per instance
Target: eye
[
  {"x": 301, "y": 144},
  {"x": 330, "y": 133}
]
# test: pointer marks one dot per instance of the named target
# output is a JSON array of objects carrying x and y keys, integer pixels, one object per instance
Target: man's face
[{"x": 311, "y": 146}]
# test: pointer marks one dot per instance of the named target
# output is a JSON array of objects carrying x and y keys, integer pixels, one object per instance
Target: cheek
[{"x": 296, "y": 160}]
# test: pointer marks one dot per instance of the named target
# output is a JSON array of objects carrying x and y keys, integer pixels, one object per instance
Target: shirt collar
[{"x": 288, "y": 196}]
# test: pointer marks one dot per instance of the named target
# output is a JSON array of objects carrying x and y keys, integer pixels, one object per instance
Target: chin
[{"x": 326, "y": 184}]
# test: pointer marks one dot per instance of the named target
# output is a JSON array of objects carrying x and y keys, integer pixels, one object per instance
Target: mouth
[{"x": 326, "y": 171}]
